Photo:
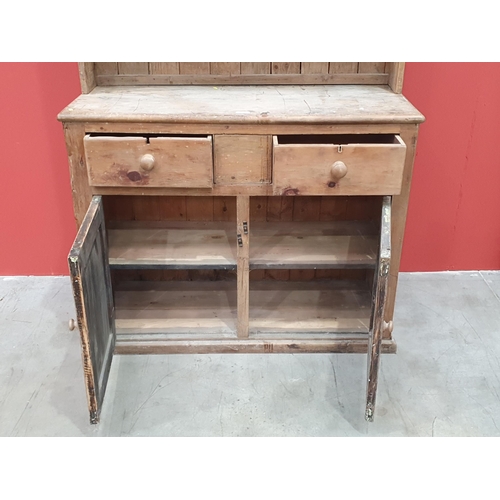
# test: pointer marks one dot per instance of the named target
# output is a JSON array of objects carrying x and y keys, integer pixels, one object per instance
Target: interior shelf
[
  {"x": 172, "y": 245},
  {"x": 309, "y": 307},
  {"x": 163, "y": 310},
  {"x": 317, "y": 245}
]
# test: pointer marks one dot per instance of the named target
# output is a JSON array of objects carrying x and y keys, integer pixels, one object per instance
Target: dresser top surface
[{"x": 264, "y": 104}]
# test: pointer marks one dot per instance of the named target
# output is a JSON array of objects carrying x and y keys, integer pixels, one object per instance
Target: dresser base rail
[{"x": 250, "y": 346}]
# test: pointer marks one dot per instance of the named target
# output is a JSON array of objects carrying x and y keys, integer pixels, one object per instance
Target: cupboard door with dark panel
[
  {"x": 378, "y": 324},
  {"x": 91, "y": 280}
]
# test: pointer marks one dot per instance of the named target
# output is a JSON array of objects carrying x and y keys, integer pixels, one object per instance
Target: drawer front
[
  {"x": 154, "y": 162},
  {"x": 315, "y": 166}
]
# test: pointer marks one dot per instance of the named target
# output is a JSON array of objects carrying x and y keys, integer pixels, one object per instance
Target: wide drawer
[
  {"x": 338, "y": 164},
  {"x": 149, "y": 161}
]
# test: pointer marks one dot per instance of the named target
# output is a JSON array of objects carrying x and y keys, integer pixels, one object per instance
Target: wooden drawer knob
[
  {"x": 147, "y": 162},
  {"x": 339, "y": 170}
]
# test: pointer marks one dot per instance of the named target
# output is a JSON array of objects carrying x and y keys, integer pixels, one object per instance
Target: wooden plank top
[{"x": 264, "y": 104}]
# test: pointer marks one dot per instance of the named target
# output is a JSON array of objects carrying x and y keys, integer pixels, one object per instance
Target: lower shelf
[
  {"x": 309, "y": 308},
  {"x": 201, "y": 316},
  {"x": 161, "y": 310}
]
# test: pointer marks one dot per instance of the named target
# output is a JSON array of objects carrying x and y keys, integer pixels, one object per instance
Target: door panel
[
  {"x": 91, "y": 280},
  {"x": 378, "y": 311}
]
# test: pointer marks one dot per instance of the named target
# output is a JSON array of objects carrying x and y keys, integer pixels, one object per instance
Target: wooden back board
[{"x": 241, "y": 73}]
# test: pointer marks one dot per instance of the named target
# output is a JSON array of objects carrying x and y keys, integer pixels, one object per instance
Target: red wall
[
  {"x": 36, "y": 221},
  {"x": 454, "y": 214}
]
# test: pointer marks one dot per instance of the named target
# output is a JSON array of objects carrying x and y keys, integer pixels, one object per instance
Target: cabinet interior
[{"x": 174, "y": 266}]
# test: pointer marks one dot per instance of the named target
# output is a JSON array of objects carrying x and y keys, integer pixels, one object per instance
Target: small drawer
[
  {"x": 149, "y": 161},
  {"x": 366, "y": 164}
]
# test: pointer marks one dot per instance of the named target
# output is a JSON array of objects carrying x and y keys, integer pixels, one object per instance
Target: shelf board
[
  {"x": 313, "y": 245},
  {"x": 246, "y": 104},
  {"x": 162, "y": 310},
  {"x": 172, "y": 245},
  {"x": 279, "y": 309},
  {"x": 167, "y": 311}
]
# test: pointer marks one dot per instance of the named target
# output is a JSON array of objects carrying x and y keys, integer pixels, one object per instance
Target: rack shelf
[
  {"x": 317, "y": 309},
  {"x": 162, "y": 310},
  {"x": 313, "y": 245},
  {"x": 172, "y": 245}
]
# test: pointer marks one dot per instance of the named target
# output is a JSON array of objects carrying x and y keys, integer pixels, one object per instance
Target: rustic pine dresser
[{"x": 237, "y": 207}]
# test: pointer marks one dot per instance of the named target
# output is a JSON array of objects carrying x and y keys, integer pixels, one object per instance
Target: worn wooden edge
[
  {"x": 76, "y": 258},
  {"x": 81, "y": 241},
  {"x": 250, "y": 346},
  {"x": 399, "y": 212},
  {"x": 378, "y": 310},
  {"x": 81, "y": 191},
  {"x": 87, "y": 76},
  {"x": 374, "y": 348},
  {"x": 79, "y": 255},
  {"x": 88, "y": 370},
  {"x": 135, "y": 140},
  {"x": 396, "y": 76},
  {"x": 245, "y": 79},
  {"x": 72, "y": 114},
  {"x": 238, "y": 129},
  {"x": 385, "y": 233},
  {"x": 376, "y": 341},
  {"x": 145, "y": 264},
  {"x": 312, "y": 265},
  {"x": 215, "y": 190},
  {"x": 68, "y": 116}
]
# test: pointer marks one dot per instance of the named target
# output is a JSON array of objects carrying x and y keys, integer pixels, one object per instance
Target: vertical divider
[{"x": 243, "y": 267}]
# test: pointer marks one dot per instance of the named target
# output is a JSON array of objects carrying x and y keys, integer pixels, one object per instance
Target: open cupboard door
[
  {"x": 378, "y": 324},
  {"x": 91, "y": 279}
]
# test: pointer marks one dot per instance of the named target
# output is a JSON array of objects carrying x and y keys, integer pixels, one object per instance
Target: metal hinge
[
  {"x": 384, "y": 269},
  {"x": 240, "y": 240},
  {"x": 245, "y": 227}
]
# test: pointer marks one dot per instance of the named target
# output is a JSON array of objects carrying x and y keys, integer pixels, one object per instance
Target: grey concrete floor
[{"x": 444, "y": 380}]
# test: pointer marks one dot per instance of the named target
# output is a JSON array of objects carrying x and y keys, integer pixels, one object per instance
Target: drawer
[
  {"x": 364, "y": 164},
  {"x": 149, "y": 161}
]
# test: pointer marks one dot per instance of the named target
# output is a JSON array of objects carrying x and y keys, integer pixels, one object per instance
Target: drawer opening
[
  {"x": 339, "y": 139},
  {"x": 147, "y": 136}
]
